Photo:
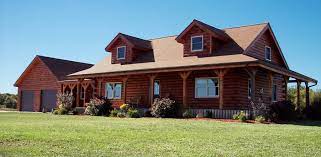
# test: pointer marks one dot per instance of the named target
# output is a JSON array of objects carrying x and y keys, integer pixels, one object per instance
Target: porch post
[
  {"x": 298, "y": 93},
  {"x": 151, "y": 88},
  {"x": 220, "y": 73},
  {"x": 307, "y": 96},
  {"x": 99, "y": 87},
  {"x": 85, "y": 86},
  {"x": 286, "y": 80},
  {"x": 125, "y": 88},
  {"x": 184, "y": 76},
  {"x": 77, "y": 95}
]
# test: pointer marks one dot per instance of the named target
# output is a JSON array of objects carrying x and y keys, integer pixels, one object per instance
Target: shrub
[
  {"x": 208, "y": 114},
  {"x": 188, "y": 114},
  {"x": 133, "y": 113},
  {"x": 241, "y": 116},
  {"x": 121, "y": 114},
  {"x": 98, "y": 107},
  {"x": 55, "y": 112},
  {"x": 64, "y": 100},
  {"x": 260, "y": 119},
  {"x": 62, "y": 111},
  {"x": 125, "y": 107},
  {"x": 114, "y": 113},
  {"x": 164, "y": 107},
  {"x": 147, "y": 113},
  {"x": 282, "y": 110}
]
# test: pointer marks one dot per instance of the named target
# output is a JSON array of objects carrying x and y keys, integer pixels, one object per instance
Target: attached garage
[
  {"x": 48, "y": 99},
  {"x": 39, "y": 83},
  {"x": 27, "y": 100}
]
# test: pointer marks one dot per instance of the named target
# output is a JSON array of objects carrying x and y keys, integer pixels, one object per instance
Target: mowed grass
[{"x": 38, "y": 134}]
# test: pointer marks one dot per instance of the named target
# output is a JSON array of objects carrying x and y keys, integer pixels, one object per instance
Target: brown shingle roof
[
  {"x": 167, "y": 54},
  {"x": 61, "y": 68}
]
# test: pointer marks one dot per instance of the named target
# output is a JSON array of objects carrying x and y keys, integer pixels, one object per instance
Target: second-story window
[
  {"x": 268, "y": 53},
  {"x": 197, "y": 43},
  {"x": 121, "y": 52}
]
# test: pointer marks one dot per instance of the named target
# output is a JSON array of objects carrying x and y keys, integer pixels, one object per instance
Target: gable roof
[
  {"x": 212, "y": 30},
  {"x": 133, "y": 41},
  {"x": 267, "y": 27},
  {"x": 167, "y": 54},
  {"x": 58, "y": 67}
]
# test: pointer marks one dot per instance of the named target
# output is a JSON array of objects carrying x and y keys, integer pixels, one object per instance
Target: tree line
[{"x": 8, "y": 100}]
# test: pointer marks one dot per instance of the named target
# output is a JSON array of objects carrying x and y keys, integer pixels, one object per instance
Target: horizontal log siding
[
  {"x": 37, "y": 79},
  {"x": 235, "y": 89},
  {"x": 196, "y": 31},
  {"x": 262, "y": 82},
  {"x": 138, "y": 87},
  {"x": 128, "y": 54},
  {"x": 258, "y": 49}
]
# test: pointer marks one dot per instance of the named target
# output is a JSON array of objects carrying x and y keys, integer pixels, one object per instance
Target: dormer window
[
  {"x": 267, "y": 53},
  {"x": 197, "y": 43},
  {"x": 121, "y": 52}
]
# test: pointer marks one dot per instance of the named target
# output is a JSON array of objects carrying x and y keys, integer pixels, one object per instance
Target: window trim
[
  {"x": 113, "y": 96},
  {"x": 268, "y": 47},
  {"x": 159, "y": 87},
  {"x": 196, "y": 36},
  {"x": 124, "y": 52},
  {"x": 195, "y": 86}
]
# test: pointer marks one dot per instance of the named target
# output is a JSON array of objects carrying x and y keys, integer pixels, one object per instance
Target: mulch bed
[{"x": 230, "y": 120}]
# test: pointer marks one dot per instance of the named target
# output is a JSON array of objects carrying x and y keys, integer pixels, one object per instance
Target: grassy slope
[{"x": 37, "y": 134}]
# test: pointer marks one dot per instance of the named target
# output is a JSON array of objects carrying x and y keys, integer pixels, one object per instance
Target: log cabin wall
[
  {"x": 235, "y": 89},
  {"x": 258, "y": 49},
  {"x": 128, "y": 54}
]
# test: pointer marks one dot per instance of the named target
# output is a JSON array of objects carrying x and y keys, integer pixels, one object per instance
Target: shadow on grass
[{"x": 304, "y": 123}]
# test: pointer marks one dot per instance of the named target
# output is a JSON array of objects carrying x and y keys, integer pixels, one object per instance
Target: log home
[{"x": 202, "y": 68}]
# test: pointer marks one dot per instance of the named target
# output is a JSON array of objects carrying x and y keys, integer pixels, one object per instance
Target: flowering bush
[
  {"x": 164, "y": 107},
  {"x": 64, "y": 100},
  {"x": 64, "y": 103},
  {"x": 125, "y": 107},
  {"x": 98, "y": 107}
]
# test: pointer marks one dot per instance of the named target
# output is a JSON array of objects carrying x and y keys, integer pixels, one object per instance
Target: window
[
  {"x": 113, "y": 90},
  {"x": 206, "y": 87},
  {"x": 274, "y": 92},
  {"x": 249, "y": 88},
  {"x": 156, "y": 88},
  {"x": 196, "y": 43},
  {"x": 121, "y": 52},
  {"x": 268, "y": 53}
]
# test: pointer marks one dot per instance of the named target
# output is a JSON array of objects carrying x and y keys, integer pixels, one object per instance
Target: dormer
[
  {"x": 200, "y": 39},
  {"x": 125, "y": 49}
]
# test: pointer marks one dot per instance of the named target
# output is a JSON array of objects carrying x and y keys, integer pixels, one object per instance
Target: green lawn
[{"x": 38, "y": 134}]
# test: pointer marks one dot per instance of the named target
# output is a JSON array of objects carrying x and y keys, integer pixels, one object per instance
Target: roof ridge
[
  {"x": 163, "y": 37},
  {"x": 40, "y": 56},
  {"x": 246, "y": 25},
  {"x": 133, "y": 36}
]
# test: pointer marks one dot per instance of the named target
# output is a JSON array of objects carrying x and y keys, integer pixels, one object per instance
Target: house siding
[
  {"x": 257, "y": 50},
  {"x": 37, "y": 79}
]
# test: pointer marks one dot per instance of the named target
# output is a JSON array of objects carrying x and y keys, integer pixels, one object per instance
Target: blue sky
[{"x": 80, "y": 30}]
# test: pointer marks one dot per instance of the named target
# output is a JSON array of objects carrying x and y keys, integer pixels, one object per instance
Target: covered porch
[{"x": 230, "y": 88}]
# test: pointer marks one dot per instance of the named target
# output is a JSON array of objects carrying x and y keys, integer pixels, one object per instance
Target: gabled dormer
[
  {"x": 200, "y": 39},
  {"x": 125, "y": 49}
]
